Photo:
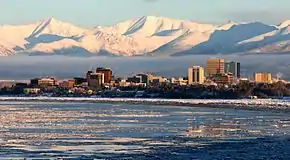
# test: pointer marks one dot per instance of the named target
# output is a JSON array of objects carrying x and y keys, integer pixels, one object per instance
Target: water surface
[{"x": 120, "y": 131}]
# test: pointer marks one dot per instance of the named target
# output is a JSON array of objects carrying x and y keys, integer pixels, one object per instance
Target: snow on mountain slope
[
  {"x": 225, "y": 41},
  {"x": 56, "y": 27},
  {"x": 149, "y": 25},
  {"x": 282, "y": 46},
  {"x": 227, "y": 26},
  {"x": 274, "y": 41},
  {"x": 182, "y": 42},
  {"x": 4, "y": 51},
  {"x": 57, "y": 45},
  {"x": 25, "y": 37},
  {"x": 284, "y": 24},
  {"x": 142, "y": 36},
  {"x": 14, "y": 35}
]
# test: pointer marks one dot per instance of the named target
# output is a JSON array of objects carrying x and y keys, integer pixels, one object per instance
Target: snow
[
  {"x": 142, "y": 35},
  {"x": 270, "y": 42},
  {"x": 240, "y": 103},
  {"x": 5, "y": 51},
  {"x": 227, "y": 26},
  {"x": 284, "y": 24}
]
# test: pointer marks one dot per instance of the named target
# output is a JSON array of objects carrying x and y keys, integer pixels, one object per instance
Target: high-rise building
[
  {"x": 263, "y": 77},
  {"x": 96, "y": 80},
  {"x": 234, "y": 68},
  {"x": 215, "y": 66},
  {"x": 107, "y": 74},
  {"x": 195, "y": 75}
]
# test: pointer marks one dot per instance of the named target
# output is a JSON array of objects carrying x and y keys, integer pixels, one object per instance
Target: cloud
[{"x": 257, "y": 15}]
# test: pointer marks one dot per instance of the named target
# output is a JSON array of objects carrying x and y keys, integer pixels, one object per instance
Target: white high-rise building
[{"x": 195, "y": 75}]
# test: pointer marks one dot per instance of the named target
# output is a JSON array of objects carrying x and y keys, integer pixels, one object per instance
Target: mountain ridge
[{"x": 146, "y": 35}]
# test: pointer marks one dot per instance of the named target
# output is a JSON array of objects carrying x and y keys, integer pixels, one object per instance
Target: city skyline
[{"x": 97, "y": 12}]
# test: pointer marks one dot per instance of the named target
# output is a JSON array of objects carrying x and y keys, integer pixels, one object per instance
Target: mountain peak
[
  {"x": 142, "y": 35},
  {"x": 54, "y": 26},
  {"x": 51, "y": 20},
  {"x": 284, "y": 24},
  {"x": 227, "y": 26}
]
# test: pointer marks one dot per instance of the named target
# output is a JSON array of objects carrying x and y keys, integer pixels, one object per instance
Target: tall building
[
  {"x": 234, "y": 68},
  {"x": 96, "y": 80},
  {"x": 107, "y": 74},
  {"x": 215, "y": 66},
  {"x": 195, "y": 75},
  {"x": 263, "y": 77}
]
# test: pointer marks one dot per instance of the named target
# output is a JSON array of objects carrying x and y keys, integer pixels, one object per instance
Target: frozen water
[{"x": 35, "y": 129}]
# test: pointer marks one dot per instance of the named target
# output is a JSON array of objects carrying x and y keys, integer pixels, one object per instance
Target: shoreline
[{"x": 243, "y": 104}]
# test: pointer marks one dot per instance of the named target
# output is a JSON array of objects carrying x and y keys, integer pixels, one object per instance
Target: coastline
[{"x": 243, "y": 104}]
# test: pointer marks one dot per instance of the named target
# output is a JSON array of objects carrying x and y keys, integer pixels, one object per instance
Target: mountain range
[{"x": 144, "y": 36}]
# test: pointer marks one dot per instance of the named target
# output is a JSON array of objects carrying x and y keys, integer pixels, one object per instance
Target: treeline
[
  {"x": 243, "y": 90},
  {"x": 167, "y": 90}
]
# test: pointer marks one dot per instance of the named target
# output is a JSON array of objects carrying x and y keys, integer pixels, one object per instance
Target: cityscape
[
  {"x": 144, "y": 80},
  {"x": 218, "y": 79}
]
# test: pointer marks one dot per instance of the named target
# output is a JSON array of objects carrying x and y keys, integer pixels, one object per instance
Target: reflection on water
[{"x": 80, "y": 130}]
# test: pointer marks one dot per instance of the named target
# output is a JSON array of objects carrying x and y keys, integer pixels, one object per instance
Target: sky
[{"x": 107, "y": 12}]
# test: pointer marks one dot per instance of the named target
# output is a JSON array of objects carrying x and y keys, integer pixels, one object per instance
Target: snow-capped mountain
[
  {"x": 148, "y": 35},
  {"x": 4, "y": 51}
]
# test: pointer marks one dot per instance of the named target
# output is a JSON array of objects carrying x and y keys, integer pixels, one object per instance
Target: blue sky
[{"x": 106, "y": 12}]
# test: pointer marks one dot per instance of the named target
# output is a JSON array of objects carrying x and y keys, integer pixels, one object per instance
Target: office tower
[
  {"x": 96, "y": 80},
  {"x": 107, "y": 74},
  {"x": 195, "y": 75},
  {"x": 234, "y": 68},
  {"x": 215, "y": 66}
]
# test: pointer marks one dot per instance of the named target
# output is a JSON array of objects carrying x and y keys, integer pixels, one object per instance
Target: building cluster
[{"x": 218, "y": 71}]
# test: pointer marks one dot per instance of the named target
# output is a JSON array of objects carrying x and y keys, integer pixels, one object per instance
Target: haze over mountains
[{"x": 144, "y": 36}]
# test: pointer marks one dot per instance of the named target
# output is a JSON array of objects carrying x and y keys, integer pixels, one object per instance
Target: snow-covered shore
[{"x": 255, "y": 104}]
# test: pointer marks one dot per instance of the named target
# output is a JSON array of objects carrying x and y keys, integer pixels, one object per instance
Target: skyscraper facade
[
  {"x": 215, "y": 66},
  {"x": 195, "y": 75},
  {"x": 107, "y": 74},
  {"x": 96, "y": 80},
  {"x": 234, "y": 68}
]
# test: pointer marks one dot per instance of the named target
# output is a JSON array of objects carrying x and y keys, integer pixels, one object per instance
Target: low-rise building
[
  {"x": 67, "y": 84},
  {"x": 263, "y": 77},
  {"x": 79, "y": 80},
  {"x": 157, "y": 79},
  {"x": 43, "y": 81},
  {"x": 179, "y": 81},
  {"x": 223, "y": 78},
  {"x": 134, "y": 79}
]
